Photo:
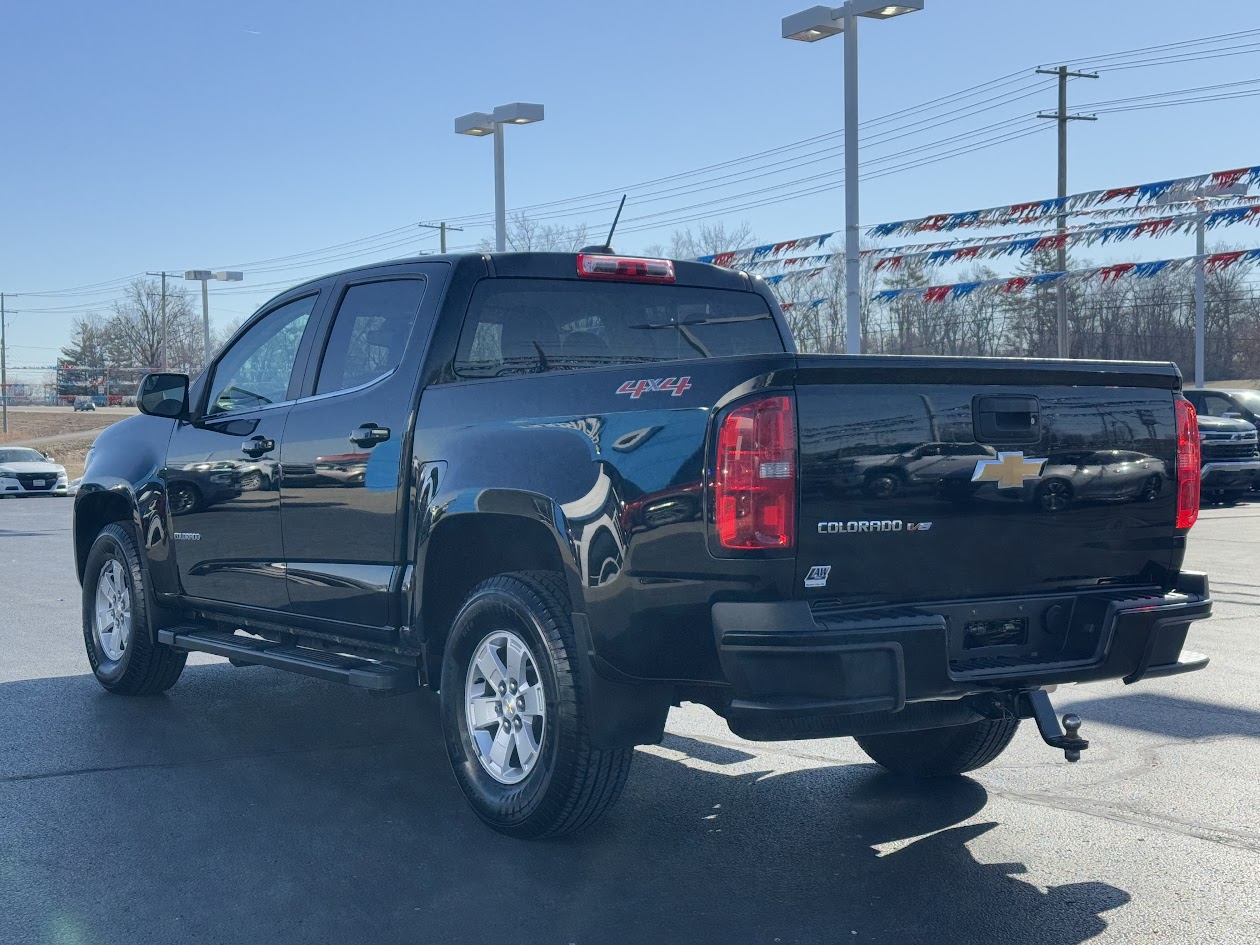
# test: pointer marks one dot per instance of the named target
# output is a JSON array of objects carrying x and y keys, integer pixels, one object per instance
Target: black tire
[
  {"x": 1054, "y": 495},
  {"x": 572, "y": 783},
  {"x": 884, "y": 485},
  {"x": 145, "y": 667},
  {"x": 253, "y": 482},
  {"x": 940, "y": 752},
  {"x": 182, "y": 498}
]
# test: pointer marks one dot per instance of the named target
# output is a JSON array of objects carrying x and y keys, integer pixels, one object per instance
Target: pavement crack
[
  {"x": 193, "y": 762},
  {"x": 1225, "y": 836}
]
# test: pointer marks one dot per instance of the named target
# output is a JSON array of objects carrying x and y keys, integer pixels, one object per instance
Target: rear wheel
[
  {"x": 182, "y": 498},
  {"x": 1054, "y": 495},
  {"x": 124, "y": 658},
  {"x": 939, "y": 752},
  {"x": 514, "y": 711},
  {"x": 884, "y": 485}
]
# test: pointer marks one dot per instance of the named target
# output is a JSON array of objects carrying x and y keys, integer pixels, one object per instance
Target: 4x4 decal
[{"x": 672, "y": 385}]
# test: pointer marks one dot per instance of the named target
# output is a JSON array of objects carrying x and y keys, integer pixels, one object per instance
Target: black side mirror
[{"x": 164, "y": 395}]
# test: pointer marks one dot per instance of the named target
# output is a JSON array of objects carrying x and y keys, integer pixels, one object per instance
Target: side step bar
[{"x": 333, "y": 667}]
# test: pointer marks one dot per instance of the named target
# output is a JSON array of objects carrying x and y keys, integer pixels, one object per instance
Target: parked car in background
[
  {"x": 24, "y": 471},
  {"x": 84, "y": 403},
  {"x": 1234, "y": 403},
  {"x": 1099, "y": 476},
  {"x": 1231, "y": 459}
]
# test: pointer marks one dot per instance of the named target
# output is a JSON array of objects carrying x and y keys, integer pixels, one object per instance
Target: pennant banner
[
  {"x": 1087, "y": 236},
  {"x": 1183, "y": 187},
  {"x": 809, "y": 306},
  {"x": 1213, "y": 262},
  {"x": 768, "y": 251},
  {"x": 803, "y": 276}
]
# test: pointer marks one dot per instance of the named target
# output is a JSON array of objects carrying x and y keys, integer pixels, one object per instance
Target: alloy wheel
[
  {"x": 505, "y": 707},
  {"x": 111, "y": 624}
]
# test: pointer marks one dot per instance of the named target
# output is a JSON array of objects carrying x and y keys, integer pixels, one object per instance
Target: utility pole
[
  {"x": 164, "y": 347},
  {"x": 442, "y": 228},
  {"x": 1062, "y": 117},
  {"x": 4, "y": 367}
]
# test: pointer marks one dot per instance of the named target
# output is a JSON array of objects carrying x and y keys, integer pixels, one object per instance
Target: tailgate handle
[{"x": 1007, "y": 418}]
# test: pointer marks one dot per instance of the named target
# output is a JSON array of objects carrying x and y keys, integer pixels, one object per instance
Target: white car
[{"x": 24, "y": 471}]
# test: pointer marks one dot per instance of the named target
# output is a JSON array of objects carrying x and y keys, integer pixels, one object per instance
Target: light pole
[
  {"x": 204, "y": 276},
  {"x": 480, "y": 124},
  {"x": 1200, "y": 196},
  {"x": 810, "y": 26}
]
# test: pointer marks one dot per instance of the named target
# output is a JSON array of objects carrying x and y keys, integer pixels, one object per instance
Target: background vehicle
[
  {"x": 84, "y": 403},
  {"x": 1099, "y": 476},
  {"x": 25, "y": 472},
  {"x": 1231, "y": 460},
  {"x": 595, "y": 486},
  {"x": 1237, "y": 403}
]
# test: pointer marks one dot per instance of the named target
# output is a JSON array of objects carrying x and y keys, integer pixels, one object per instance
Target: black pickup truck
[{"x": 569, "y": 491}]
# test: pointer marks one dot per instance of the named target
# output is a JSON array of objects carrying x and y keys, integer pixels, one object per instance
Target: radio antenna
[{"x": 608, "y": 242}]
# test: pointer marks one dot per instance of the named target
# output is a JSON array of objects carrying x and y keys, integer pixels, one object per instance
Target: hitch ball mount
[{"x": 1037, "y": 704}]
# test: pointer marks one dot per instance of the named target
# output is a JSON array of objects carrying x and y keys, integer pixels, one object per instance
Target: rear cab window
[{"x": 531, "y": 326}]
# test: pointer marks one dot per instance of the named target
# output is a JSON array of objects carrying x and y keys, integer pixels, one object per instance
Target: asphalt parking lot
[{"x": 249, "y": 806}]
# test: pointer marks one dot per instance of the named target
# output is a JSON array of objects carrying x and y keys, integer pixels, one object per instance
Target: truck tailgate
[{"x": 953, "y": 478}]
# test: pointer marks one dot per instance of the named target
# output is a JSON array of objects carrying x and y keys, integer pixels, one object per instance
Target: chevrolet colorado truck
[{"x": 567, "y": 491}]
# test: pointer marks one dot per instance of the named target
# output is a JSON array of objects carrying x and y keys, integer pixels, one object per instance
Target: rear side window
[
  {"x": 527, "y": 326},
  {"x": 369, "y": 333}
]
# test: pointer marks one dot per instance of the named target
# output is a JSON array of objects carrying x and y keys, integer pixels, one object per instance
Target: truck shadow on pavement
[
  {"x": 1162, "y": 714},
  {"x": 250, "y": 806}
]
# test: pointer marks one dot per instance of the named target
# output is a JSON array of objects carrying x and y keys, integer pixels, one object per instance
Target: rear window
[{"x": 527, "y": 326}]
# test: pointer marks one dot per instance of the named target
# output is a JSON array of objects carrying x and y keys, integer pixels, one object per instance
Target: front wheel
[
  {"x": 514, "y": 711},
  {"x": 124, "y": 658},
  {"x": 940, "y": 752}
]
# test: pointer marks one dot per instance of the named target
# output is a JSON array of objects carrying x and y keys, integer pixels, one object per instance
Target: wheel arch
[
  {"x": 464, "y": 549},
  {"x": 95, "y": 507}
]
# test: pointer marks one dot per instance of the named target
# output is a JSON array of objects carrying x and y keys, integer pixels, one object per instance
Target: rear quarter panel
[{"x": 625, "y": 477}]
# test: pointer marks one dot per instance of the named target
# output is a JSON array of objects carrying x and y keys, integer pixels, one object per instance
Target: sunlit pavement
[{"x": 249, "y": 806}]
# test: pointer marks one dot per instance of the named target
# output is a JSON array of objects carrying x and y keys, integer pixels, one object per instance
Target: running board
[{"x": 333, "y": 667}]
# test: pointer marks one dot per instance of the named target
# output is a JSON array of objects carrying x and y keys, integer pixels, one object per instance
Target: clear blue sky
[{"x": 152, "y": 135}]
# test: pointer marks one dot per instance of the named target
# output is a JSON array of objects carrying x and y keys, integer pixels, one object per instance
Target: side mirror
[
  {"x": 48, "y": 456},
  {"x": 164, "y": 395}
]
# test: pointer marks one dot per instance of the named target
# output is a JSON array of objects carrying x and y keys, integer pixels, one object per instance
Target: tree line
[{"x": 128, "y": 336}]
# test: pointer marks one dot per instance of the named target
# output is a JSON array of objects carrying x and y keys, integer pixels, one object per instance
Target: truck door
[
  {"x": 222, "y": 472},
  {"x": 347, "y": 447}
]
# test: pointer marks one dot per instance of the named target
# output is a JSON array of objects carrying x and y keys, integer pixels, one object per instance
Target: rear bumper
[
  {"x": 1225, "y": 475},
  {"x": 785, "y": 659}
]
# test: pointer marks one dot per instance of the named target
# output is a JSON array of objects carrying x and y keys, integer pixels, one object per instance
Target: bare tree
[
  {"x": 525, "y": 234},
  {"x": 708, "y": 239}
]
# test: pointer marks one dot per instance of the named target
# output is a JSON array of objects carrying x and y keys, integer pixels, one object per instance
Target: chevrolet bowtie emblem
[{"x": 1009, "y": 470}]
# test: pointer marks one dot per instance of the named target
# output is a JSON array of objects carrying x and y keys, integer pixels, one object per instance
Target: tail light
[
  {"x": 624, "y": 268},
  {"x": 1188, "y": 464},
  {"x": 755, "y": 486}
]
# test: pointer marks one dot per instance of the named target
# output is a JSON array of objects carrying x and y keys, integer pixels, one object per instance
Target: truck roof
[{"x": 536, "y": 265}]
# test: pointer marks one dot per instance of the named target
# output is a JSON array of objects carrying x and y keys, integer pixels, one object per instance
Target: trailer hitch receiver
[{"x": 1037, "y": 704}]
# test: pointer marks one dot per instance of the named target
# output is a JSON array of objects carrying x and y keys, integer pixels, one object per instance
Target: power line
[{"x": 993, "y": 93}]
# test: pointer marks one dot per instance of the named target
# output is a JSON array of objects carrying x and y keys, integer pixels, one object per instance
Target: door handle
[
  {"x": 256, "y": 446},
  {"x": 368, "y": 435}
]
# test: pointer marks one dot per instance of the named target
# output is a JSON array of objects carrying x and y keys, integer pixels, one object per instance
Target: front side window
[
  {"x": 1218, "y": 406},
  {"x": 526, "y": 326},
  {"x": 370, "y": 333},
  {"x": 257, "y": 370}
]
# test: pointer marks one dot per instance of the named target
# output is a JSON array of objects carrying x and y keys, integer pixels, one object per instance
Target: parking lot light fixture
[
  {"x": 480, "y": 124},
  {"x": 204, "y": 276},
  {"x": 809, "y": 26}
]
